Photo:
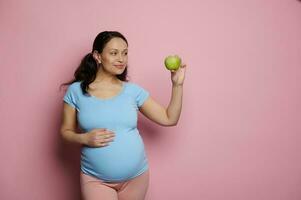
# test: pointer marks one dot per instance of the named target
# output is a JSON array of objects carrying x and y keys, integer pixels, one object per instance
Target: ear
[{"x": 96, "y": 56}]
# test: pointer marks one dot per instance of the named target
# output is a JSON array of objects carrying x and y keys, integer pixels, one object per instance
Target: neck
[{"x": 106, "y": 78}]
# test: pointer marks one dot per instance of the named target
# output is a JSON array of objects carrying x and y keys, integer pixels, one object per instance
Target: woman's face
[{"x": 114, "y": 56}]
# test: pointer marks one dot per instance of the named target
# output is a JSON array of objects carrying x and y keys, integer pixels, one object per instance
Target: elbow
[
  {"x": 166, "y": 124},
  {"x": 62, "y": 134},
  {"x": 169, "y": 121},
  {"x": 174, "y": 124},
  {"x": 170, "y": 124}
]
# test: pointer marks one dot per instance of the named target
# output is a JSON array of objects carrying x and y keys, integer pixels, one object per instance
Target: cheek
[
  {"x": 125, "y": 59},
  {"x": 107, "y": 59}
]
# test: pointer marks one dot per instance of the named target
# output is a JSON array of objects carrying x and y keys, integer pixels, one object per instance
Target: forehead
[{"x": 116, "y": 43}]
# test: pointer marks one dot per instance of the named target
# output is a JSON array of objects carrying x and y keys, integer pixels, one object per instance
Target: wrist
[
  {"x": 177, "y": 85},
  {"x": 82, "y": 139}
]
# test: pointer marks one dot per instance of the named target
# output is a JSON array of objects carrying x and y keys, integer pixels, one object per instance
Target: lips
[{"x": 119, "y": 66}]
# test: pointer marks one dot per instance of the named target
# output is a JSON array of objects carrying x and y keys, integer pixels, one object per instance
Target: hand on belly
[{"x": 122, "y": 158}]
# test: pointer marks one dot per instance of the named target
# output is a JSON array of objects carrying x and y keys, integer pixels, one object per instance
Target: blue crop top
[{"x": 125, "y": 157}]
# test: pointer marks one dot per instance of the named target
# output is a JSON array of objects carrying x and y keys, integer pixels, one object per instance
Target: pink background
[{"x": 239, "y": 133}]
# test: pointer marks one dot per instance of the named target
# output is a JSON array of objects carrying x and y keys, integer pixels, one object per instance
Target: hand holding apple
[
  {"x": 177, "y": 69},
  {"x": 172, "y": 62}
]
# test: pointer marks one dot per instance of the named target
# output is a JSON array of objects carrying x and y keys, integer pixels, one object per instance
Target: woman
[{"x": 104, "y": 105}]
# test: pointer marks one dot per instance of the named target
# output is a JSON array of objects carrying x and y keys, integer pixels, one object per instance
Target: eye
[
  {"x": 113, "y": 53},
  {"x": 126, "y": 53}
]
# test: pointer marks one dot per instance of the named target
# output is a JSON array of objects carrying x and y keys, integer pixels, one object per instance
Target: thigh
[
  {"x": 94, "y": 189},
  {"x": 135, "y": 189}
]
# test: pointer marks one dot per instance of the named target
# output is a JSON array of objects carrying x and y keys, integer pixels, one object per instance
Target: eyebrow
[{"x": 117, "y": 49}]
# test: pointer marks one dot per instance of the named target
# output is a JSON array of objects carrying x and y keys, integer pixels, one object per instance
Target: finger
[
  {"x": 108, "y": 136},
  {"x": 102, "y": 137},
  {"x": 105, "y": 141},
  {"x": 108, "y": 140},
  {"x": 105, "y": 132},
  {"x": 100, "y": 129},
  {"x": 100, "y": 142},
  {"x": 109, "y": 132},
  {"x": 103, "y": 145}
]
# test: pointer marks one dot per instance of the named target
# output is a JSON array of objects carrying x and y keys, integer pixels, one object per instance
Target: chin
[{"x": 119, "y": 71}]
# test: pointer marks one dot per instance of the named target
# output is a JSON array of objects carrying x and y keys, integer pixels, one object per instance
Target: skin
[{"x": 107, "y": 85}]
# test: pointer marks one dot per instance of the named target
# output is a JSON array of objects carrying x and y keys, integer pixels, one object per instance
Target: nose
[{"x": 120, "y": 58}]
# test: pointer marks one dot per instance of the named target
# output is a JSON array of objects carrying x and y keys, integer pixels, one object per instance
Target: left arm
[{"x": 169, "y": 116}]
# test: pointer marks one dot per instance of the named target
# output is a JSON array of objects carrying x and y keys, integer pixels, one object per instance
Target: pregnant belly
[{"x": 122, "y": 159}]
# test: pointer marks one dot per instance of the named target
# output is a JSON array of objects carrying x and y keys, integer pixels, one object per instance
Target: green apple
[{"x": 172, "y": 62}]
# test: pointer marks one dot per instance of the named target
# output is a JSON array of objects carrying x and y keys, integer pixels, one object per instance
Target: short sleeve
[
  {"x": 70, "y": 97},
  {"x": 142, "y": 95}
]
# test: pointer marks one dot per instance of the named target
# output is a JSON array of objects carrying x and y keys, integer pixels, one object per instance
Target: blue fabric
[{"x": 125, "y": 157}]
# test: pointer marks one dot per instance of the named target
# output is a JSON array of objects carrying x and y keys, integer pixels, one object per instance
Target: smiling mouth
[{"x": 119, "y": 66}]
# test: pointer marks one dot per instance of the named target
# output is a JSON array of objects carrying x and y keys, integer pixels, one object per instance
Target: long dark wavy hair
[{"x": 86, "y": 71}]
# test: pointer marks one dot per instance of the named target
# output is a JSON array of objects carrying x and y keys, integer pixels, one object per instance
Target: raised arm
[{"x": 167, "y": 116}]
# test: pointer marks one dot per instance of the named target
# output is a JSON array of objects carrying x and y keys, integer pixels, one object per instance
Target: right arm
[
  {"x": 69, "y": 126},
  {"x": 99, "y": 137}
]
